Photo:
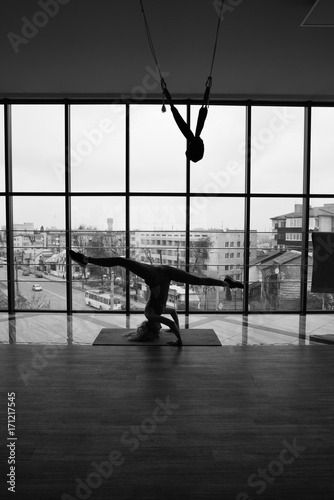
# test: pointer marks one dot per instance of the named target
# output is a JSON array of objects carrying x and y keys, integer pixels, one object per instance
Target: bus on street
[{"x": 101, "y": 300}]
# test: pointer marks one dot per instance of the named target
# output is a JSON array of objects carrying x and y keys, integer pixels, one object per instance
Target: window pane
[
  {"x": 4, "y": 328},
  {"x": 3, "y": 257},
  {"x": 217, "y": 249},
  {"x": 222, "y": 168},
  {"x": 321, "y": 219},
  {"x": 157, "y": 150},
  {"x": 216, "y": 254},
  {"x": 157, "y": 237},
  {"x": 157, "y": 248},
  {"x": 98, "y": 230},
  {"x": 274, "y": 268},
  {"x": 38, "y": 147},
  {"x": 270, "y": 214},
  {"x": 155, "y": 213},
  {"x": 217, "y": 213},
  {"x": 39, "y": 212},
  {"x": 322, "y": 150},
  {"x": 98, "y": 213},
  {"x": 277, "y": 149},
  {"x": 98, "y": 148},
  {"x": 39, "y": 252},
  {"x": 2, "y": 150}
]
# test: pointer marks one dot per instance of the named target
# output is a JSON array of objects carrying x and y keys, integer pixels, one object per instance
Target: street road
[{"x": 53, "y": 290}]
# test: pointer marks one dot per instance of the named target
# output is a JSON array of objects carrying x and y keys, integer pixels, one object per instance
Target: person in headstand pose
[{"x": 158, "y": 279}]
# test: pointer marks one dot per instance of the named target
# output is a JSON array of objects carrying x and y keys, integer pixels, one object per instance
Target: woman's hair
[{"x": 148, "y": 330}]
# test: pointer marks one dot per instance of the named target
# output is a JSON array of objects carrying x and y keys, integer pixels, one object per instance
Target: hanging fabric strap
[{"x": 203, "y": 112}]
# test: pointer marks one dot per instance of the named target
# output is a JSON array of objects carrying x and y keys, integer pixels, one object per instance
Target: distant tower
[{"x": 110, "y": 223}]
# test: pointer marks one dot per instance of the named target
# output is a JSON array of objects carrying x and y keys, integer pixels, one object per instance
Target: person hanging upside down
[{"x": 158, "y": 279}]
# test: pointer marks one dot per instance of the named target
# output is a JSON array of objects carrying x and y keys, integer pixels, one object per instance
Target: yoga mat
[
  {"x": 323, "y": 339},
  {"x": 200, "y": 337}
]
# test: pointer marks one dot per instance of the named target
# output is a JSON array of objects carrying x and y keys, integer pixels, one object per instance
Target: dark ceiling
[{"x": 267, "y": 49}]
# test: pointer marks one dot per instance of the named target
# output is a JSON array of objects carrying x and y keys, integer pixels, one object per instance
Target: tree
[
  {"x": 199, "y": 254},
  {"x": 103, "y": 244},
  {"x": 3, "y": 301},
  {"x": 32, "y": 302},
  {"x": 148, "y": 255}
]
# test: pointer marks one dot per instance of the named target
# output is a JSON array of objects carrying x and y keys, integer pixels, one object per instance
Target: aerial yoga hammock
[{"x": 195, "y": 147}]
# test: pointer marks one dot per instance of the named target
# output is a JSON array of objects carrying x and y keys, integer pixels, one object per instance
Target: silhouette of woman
[{"x": 158, "y": 280}]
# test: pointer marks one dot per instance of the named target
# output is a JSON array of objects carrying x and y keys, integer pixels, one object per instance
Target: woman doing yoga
[{"x": 158, "y": 279}]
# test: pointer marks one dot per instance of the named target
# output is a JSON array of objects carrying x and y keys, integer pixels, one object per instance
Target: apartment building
[{"x": 287, "y": 228}]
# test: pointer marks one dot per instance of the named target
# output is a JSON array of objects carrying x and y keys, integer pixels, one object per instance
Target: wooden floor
[{"x": 140, "y": 422}]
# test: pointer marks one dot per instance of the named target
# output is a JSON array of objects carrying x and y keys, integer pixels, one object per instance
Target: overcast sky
[{"x": 157, "y": 161}]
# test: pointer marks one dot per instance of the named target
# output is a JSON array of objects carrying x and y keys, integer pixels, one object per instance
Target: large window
[
  {"x": 277, "y": 145},
  {"x": 39, "y": 252},
  {"x": 217, "y": 223},
  {"x": 98, "y": 148},
  {"x": 98, "y": 230},
  {"x": 157, "y": 151},
  {"x": 38, "y": 148},
  {"x": 3, "y": 257},
  {"x": 275, "y": 263},
  {"x": 3, "y": 249},
  {"x": 322, "y": 151},
  {"x": 222, "y": 169},
  {"x": 2, "y": 150},
  {"x": 113, "y": 180}
]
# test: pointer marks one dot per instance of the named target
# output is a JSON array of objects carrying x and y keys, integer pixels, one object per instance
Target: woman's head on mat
[{"x": 149, "y": 329}]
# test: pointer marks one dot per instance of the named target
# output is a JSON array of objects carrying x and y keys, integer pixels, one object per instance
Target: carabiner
[
  {"x": 163, "y": 84},
  {"x": 209, "y": 81}
]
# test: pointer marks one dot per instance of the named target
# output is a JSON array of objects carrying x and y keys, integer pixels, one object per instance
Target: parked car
[
  {"x": 37, "y": 288},
  {"x": 25, "y": 273},
  {"x": 39, "y": 275}
]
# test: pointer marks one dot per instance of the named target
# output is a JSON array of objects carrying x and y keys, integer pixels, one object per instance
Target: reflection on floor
[{"x": 233, "y": 329}]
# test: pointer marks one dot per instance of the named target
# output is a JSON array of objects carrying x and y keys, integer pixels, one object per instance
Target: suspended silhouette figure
[
  {"x": 158, "y": 279},
  {"x": 195, "y": 148}
]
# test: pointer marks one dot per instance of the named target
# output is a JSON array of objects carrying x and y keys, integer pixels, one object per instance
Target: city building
[
  {"x": 275, "y": 279},
  {"x": 288, "y": 227}
]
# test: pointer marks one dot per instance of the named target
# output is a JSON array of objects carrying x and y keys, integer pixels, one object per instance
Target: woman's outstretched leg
[
  {"x": 184, "y": 277},
  {"x": 144, "y": 271}
]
